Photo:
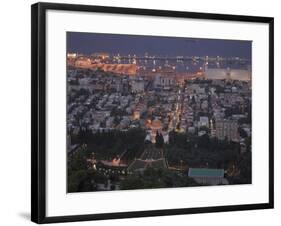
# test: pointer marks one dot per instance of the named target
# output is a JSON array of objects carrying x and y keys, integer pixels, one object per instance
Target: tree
[
  {"x": 242, "y": 132},
  {"x": 132, "y": 182},
  {"x": 84, "y": 180},
  {"x": 204, "y": 141}
]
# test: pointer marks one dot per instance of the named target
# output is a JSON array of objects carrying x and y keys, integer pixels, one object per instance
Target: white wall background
[{"x": 15, "y": 111}]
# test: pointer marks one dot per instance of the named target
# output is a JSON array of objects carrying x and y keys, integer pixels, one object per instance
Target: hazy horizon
[{"x": 88, "y": 43}]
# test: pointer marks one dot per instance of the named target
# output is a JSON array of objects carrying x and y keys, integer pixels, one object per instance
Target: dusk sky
[{"x": 88, "y": 43}]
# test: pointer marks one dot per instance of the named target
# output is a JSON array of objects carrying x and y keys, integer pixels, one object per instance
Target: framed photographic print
[{"x": 140, "y": 112}]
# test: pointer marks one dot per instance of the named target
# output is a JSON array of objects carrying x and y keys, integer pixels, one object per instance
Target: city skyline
[
  {"x": 160, "y": 119},
  {"x": 88, "y": 43}
]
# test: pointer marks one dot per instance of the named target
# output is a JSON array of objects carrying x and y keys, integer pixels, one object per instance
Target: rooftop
[{"x": 204, "y": 172}]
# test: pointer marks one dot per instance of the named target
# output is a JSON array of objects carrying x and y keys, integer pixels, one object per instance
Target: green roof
[{"x": 204, "y": 172}]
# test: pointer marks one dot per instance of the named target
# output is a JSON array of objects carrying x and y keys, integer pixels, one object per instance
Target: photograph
[
  {"x": 151, "y": 112},
  {"x": 145, "y": 112}
]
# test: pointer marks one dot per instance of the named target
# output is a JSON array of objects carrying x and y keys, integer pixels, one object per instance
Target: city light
[{"x": 157, "y": 117}]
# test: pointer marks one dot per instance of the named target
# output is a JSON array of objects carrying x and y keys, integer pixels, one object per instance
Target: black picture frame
[{"x": 38, "y": 110}]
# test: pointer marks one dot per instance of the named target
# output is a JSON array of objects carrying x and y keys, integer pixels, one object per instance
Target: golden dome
[{"x": 156, "y": 124}]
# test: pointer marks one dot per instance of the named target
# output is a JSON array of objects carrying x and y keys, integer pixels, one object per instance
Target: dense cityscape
[{"x": 148, "y": 120}]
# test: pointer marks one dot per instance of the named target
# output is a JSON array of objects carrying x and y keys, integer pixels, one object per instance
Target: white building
[
  {"x": 227, "y": 129},
  {"x": 163, "y": 81},
  {"x": 226, "y": 73},
  {"x": 137, "y": 86},
  {"x": 203, "y": 121}
]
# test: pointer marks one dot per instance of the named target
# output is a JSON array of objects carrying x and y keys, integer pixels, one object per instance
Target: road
[{"x": 177, "y": 111}]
